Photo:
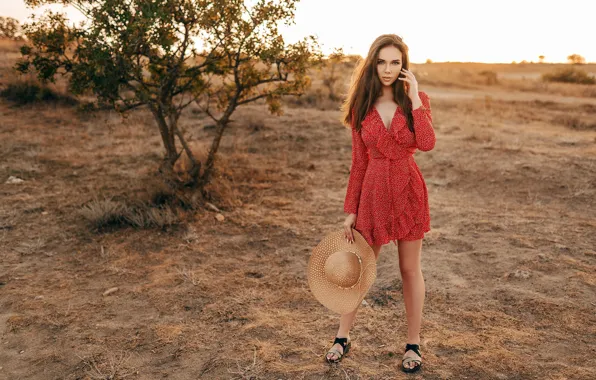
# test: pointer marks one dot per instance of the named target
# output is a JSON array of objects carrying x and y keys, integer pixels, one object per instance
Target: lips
[{"x": 387, "y": 78}]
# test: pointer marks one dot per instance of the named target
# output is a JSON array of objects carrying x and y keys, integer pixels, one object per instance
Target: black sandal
[
  {"x": 416, "y": 349},
  {"x": 344, "y": 343}
]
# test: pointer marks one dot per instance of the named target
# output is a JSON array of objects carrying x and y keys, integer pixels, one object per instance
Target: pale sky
[{"x": 442, "y": 30}]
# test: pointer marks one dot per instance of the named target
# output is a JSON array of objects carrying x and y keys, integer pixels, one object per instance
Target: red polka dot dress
[{"x": 386, "y": 189}]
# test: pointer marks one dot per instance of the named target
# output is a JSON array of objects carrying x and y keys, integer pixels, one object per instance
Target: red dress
[{"x": 386, "y": 189}]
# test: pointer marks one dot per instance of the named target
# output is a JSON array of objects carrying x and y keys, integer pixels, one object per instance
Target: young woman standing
[{"x": 387, "y": 198}]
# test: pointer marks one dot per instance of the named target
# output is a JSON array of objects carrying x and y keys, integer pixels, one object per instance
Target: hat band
[{"x": 359, "y": 277}]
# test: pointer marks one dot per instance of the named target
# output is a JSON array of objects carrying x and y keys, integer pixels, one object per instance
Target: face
[{"x": 389, "y": 65}]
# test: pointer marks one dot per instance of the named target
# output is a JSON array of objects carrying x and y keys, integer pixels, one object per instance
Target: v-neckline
[{"x": 383, "y": 121}]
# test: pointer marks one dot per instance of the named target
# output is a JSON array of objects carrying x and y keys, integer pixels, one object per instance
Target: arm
[
  {"x": 357, "y": 171},
  {"x": 425, "y": 134},
  {"x": 423, "y": 125}
]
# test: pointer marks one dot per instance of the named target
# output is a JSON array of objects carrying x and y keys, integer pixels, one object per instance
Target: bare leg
[
  {"x": 413, "y": 288},
  {"x": 346, "y": 321}
]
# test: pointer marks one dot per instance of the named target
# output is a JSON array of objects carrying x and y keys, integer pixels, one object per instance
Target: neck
[{"x": 387, "y": 92}]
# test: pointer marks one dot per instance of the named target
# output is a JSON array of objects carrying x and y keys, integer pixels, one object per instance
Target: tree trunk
[
  {"x": 221, "y": 125},
  {"x": 167, "y": 137},
  {"x": 166, "y": 167},
  {"x": 206, "y": 176}
]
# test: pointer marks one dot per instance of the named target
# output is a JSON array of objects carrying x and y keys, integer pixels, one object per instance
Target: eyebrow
[{"x": 395, "y": 60}]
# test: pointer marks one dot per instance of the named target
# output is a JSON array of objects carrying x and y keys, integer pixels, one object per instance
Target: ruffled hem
[
  {"x": 413, "y": 219},
  {"x": 382, "y": 235}
]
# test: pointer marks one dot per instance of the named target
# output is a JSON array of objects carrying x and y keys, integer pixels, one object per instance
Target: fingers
[
  {"x": 409, "y": 76},
  {"x": 348, "y": 234}
]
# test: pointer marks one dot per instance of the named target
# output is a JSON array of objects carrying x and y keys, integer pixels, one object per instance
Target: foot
[
  {"x": 340, "y": 347},
  {"x": 412, "y": 360}
]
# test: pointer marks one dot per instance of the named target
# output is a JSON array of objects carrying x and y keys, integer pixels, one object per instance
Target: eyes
[{"x": 395, "y": 63}]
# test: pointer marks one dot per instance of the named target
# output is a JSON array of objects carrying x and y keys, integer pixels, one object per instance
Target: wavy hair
[{"x": 366, "y": 86}]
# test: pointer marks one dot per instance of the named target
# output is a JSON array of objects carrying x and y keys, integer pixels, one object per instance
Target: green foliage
[
  {"x": 569, "y": 75},
  {"x": 167, "y": 54}
]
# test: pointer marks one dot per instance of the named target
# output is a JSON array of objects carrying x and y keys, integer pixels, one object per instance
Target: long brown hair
[{"x": 366, "y": 86}]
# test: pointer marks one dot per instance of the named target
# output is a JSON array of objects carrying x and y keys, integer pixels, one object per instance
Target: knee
[{"x": 410, "y": 272}]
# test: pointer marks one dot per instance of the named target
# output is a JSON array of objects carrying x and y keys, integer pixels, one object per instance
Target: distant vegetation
[
  {"x": 576, "y": 59},
  {"x": 10, "y": 28},
  {"x": 25, "y": 92},
  {"x": 569, "y": 75}
]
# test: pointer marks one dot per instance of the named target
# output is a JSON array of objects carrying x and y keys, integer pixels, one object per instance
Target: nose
[{"x": 387, "y": 69}]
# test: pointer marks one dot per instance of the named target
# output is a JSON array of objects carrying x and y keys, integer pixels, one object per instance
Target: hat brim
[{"x": 335, "y": 298}]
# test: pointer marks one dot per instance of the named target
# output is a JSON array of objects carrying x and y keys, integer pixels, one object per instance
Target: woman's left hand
[{"x": 412, "y": 83}]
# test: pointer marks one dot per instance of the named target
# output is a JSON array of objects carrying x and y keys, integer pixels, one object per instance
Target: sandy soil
[{"x": 509, "y": 264}]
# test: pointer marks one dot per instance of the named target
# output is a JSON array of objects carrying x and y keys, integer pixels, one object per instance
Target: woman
[{"x": 386, "y": 198}]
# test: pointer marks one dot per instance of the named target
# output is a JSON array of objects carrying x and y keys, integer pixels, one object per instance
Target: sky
[{"x": 441, "y": 30}]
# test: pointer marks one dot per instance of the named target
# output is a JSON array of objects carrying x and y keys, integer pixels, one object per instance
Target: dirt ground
[{"x": 509, "y": 265}]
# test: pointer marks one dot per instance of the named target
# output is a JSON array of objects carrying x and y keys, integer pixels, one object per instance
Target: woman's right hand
[{"x": 349, "y": 223}]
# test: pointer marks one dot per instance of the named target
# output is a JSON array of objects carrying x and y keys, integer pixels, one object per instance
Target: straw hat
[{"x": 340, "y": 273}]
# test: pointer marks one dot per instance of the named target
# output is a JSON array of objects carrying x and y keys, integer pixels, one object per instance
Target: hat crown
[{"x": 343, "y": 268}]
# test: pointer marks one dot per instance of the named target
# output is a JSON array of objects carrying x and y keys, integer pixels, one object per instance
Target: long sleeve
[
  {"x": 425, "y": 134},
  {"x": 423, "y": 125},
  {"x": 357, "y": 172}
]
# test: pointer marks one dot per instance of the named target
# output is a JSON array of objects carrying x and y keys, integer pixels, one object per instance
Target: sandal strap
[
  {"x": 411, "y": 359},
  {"x": 342, "y": 341},
  {"x": 335, "y": 352},
  {"x": 413, "y": 347}
]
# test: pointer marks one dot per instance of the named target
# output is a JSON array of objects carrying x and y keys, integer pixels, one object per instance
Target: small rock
[
  {"x": 44, "y": 213},
  {"x": 110, "y": 291},
  {"x": 22, "y": 351},
  {"x": 220, "y": 217},
  {"x": 212, "y": 207},
  {"x": 519, "y": 273},
  {"x": 364, "y": 303},
  {"x": 12, "y": 180},
  {"x": 38, "y": 297}
]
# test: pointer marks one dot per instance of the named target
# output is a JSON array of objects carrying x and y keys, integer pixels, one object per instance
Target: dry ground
[{"x": 509, "y": 264}]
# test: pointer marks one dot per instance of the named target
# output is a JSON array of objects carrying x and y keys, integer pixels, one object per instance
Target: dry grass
[{"x": 509, "y": 263}]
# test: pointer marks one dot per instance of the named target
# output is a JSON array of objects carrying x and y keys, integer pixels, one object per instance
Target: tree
[
  {"x": 576, "y": 59},
  {"x": 330, "y": 71},
  {"x": 10, "y": 28},
  {"x": 541, "y": 58},
  {"x": 144, "y": 53}
]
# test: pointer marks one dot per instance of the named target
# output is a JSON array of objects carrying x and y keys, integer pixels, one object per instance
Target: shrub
[
  {"x": 26, "y": 92},
  {"x": 103, "y": 213},
  {"x": 489, "y": 76},
  {"x": 569, "y": 75},
  {"x": 109, "y": 213}
]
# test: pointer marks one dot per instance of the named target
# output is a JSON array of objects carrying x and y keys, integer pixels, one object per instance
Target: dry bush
[
  {"x": 102, "y": 213},
  {"x": 569, "y": 75},
  {"x": 317, "y": 98},
  {"x": 573, "y": 122},
  {"x": 24, "y": 92},
  {"x": 490, "y": 77},
  {"x": 109, "y": 213},
  {"x": 146, "y": 216}
]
